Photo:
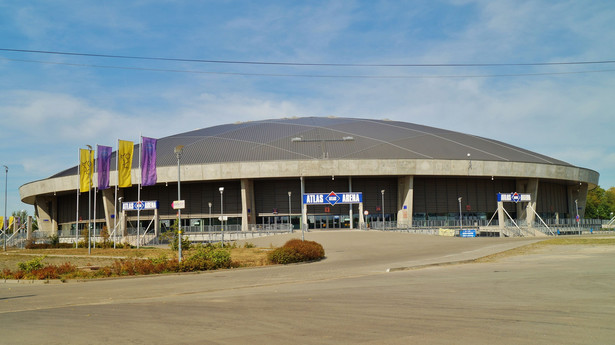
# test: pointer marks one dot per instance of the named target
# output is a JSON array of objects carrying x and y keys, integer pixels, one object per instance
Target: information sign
[
  {"x": 178, "y": 204},
  {"x": 467, "y": 233}
]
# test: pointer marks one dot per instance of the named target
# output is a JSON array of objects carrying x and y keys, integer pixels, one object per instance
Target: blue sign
[
  {"x": 514, "y": 197},
  {"x": 139, "y": 205},
  {"x": 467, "y": 233},
  {"x": 332, "y": 198}
]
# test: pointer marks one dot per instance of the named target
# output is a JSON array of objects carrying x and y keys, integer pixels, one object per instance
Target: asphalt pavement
[{"x": 373, "y": 288}]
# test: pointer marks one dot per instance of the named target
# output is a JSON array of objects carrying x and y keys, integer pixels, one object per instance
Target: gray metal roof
[{"x": 330, "y": 138}]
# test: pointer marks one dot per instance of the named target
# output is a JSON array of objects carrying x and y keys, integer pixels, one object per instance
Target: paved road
[{"x": 559, "y": 295}]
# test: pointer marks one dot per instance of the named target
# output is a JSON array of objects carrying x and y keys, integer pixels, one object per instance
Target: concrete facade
[
  {"x": 408, "y": 160},
  {"x": 527, "y": 175}
]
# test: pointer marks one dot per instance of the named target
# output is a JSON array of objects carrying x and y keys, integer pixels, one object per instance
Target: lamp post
[
  {"x": 6, "y": 179},
  {"x": 290, "y": 225},
  {"x": 221, "y": 189},
  {"x": 578, "y": 218},
  {"x": 209, "y": 217},
  {"x": 460, "y": 217},
  {"x": 382, "y": 192},
  {"x": 122, "y": 219},
  {"x": 178, "y": 153}
]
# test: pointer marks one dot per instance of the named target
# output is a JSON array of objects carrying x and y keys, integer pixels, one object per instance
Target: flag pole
[
  {"x": 78, "y": 187},
  {"x": 95, "y": 162},
  {"x": 139, "y": 193},
  {"x": 117, "y": 153},
  {"x": 89, "y": 198}
]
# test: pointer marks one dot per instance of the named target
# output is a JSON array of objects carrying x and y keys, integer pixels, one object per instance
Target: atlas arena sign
[
  {"x": 139, "y": 205},
  {"x": 514, "y": 197},
  {"x": 332, "y": 198}
]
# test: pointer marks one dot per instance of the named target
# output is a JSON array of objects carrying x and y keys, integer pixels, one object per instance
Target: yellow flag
[
  {"x": 125, "y": 163},
  {"x": 2, "y": 223},
  {"x": 86, "y": 163},
  {"x": 12, "y": 223}
]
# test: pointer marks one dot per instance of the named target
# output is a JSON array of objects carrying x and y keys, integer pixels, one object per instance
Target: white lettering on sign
[
  {"x": 314, "y": 198},
  {"x": 350, "y": 198}
]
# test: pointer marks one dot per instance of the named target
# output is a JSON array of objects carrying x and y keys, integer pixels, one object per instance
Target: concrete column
[
  {"x": 29, "y": 228},
  {"x": 350, "y": 212},
  {"x": 122, "y": 229},
  {"x": 361, "y": 217},
  {"x": 156, "y": 223},
  {"x": 247, "y": 204},
  {"x": 108, "y": 196},
  {"x": 405, "y": 198},
  {"x": 304, "y": 225},
  {"x": 583, "y": 189},
  {"x": 45, "y": 211},
  {"x": 501, "y": 217},
  {"x": 572, "y": 195},
  {"x": 532, "y": 189}
]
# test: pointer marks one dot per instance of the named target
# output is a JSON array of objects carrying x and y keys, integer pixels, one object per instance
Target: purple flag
[
  {"x": 148, "y": 161},
  {"x": 103, "y": 166}
]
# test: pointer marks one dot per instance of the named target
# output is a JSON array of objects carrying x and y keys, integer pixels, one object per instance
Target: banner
[
  {"x": 85, "y": 169},
  {"x": 3, "y": 223},
  {"x": 103, "y": 166},
  {"x": 125, "y": 163},
  {"x": 148, "y": 161}
]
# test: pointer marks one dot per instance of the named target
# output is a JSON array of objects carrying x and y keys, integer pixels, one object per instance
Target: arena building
[{"x": 255, "y": 175}]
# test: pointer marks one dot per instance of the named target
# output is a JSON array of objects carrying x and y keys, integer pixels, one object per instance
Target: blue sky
[{"x": 51, "y": 105}]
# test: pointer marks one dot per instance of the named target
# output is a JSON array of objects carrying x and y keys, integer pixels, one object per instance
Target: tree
[
  {"x": 610, "y": 201},
  {"x": 600, "y": 203}
]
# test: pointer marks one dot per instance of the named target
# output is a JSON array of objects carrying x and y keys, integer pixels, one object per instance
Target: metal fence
[{"x": 216, "y": 233}]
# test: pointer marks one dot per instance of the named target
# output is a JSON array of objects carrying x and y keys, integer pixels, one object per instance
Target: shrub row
[
  {"x": 296, "y": 250},
  {"x": 202, "y": 258}
]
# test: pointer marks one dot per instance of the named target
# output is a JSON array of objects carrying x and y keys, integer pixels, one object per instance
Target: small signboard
[
  {"x": 178, "y": 204},
  {"x": 467, "y": 233}
]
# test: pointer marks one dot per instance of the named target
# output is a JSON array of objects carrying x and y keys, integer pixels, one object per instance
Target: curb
[{"x": 436, "y": 264}]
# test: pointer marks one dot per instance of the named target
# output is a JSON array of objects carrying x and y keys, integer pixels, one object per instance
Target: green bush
[
  {"x": 207, "y": 258},
  {"x": 297, "y": 251},
  {"x": 54, "y": 241},
  {"x": 34, "y": 264}
]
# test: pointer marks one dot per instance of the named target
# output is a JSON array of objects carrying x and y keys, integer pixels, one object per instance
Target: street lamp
[
  {"x": 209, "y": 217},
  {"x": 289, "y": 223},
  {"x": 115, "y": 223},
  {"x": 221, "y": 189},
  {"x": 178, "y": 153},
  {"x": 6, "y": 179},
  {"x": 382, "y": 192},
  {"x": 460, "y": 216},
  {"x": 578, "y": 219}
]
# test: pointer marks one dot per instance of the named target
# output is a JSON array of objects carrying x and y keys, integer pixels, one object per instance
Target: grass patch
[
  {"x": 557, "y": 241},
  {"x": 75, "y": 263},
  {"x": 579, "y": 240}
]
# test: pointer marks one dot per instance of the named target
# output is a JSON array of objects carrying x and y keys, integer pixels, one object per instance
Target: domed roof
[{"x": 331, "y": 138}]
